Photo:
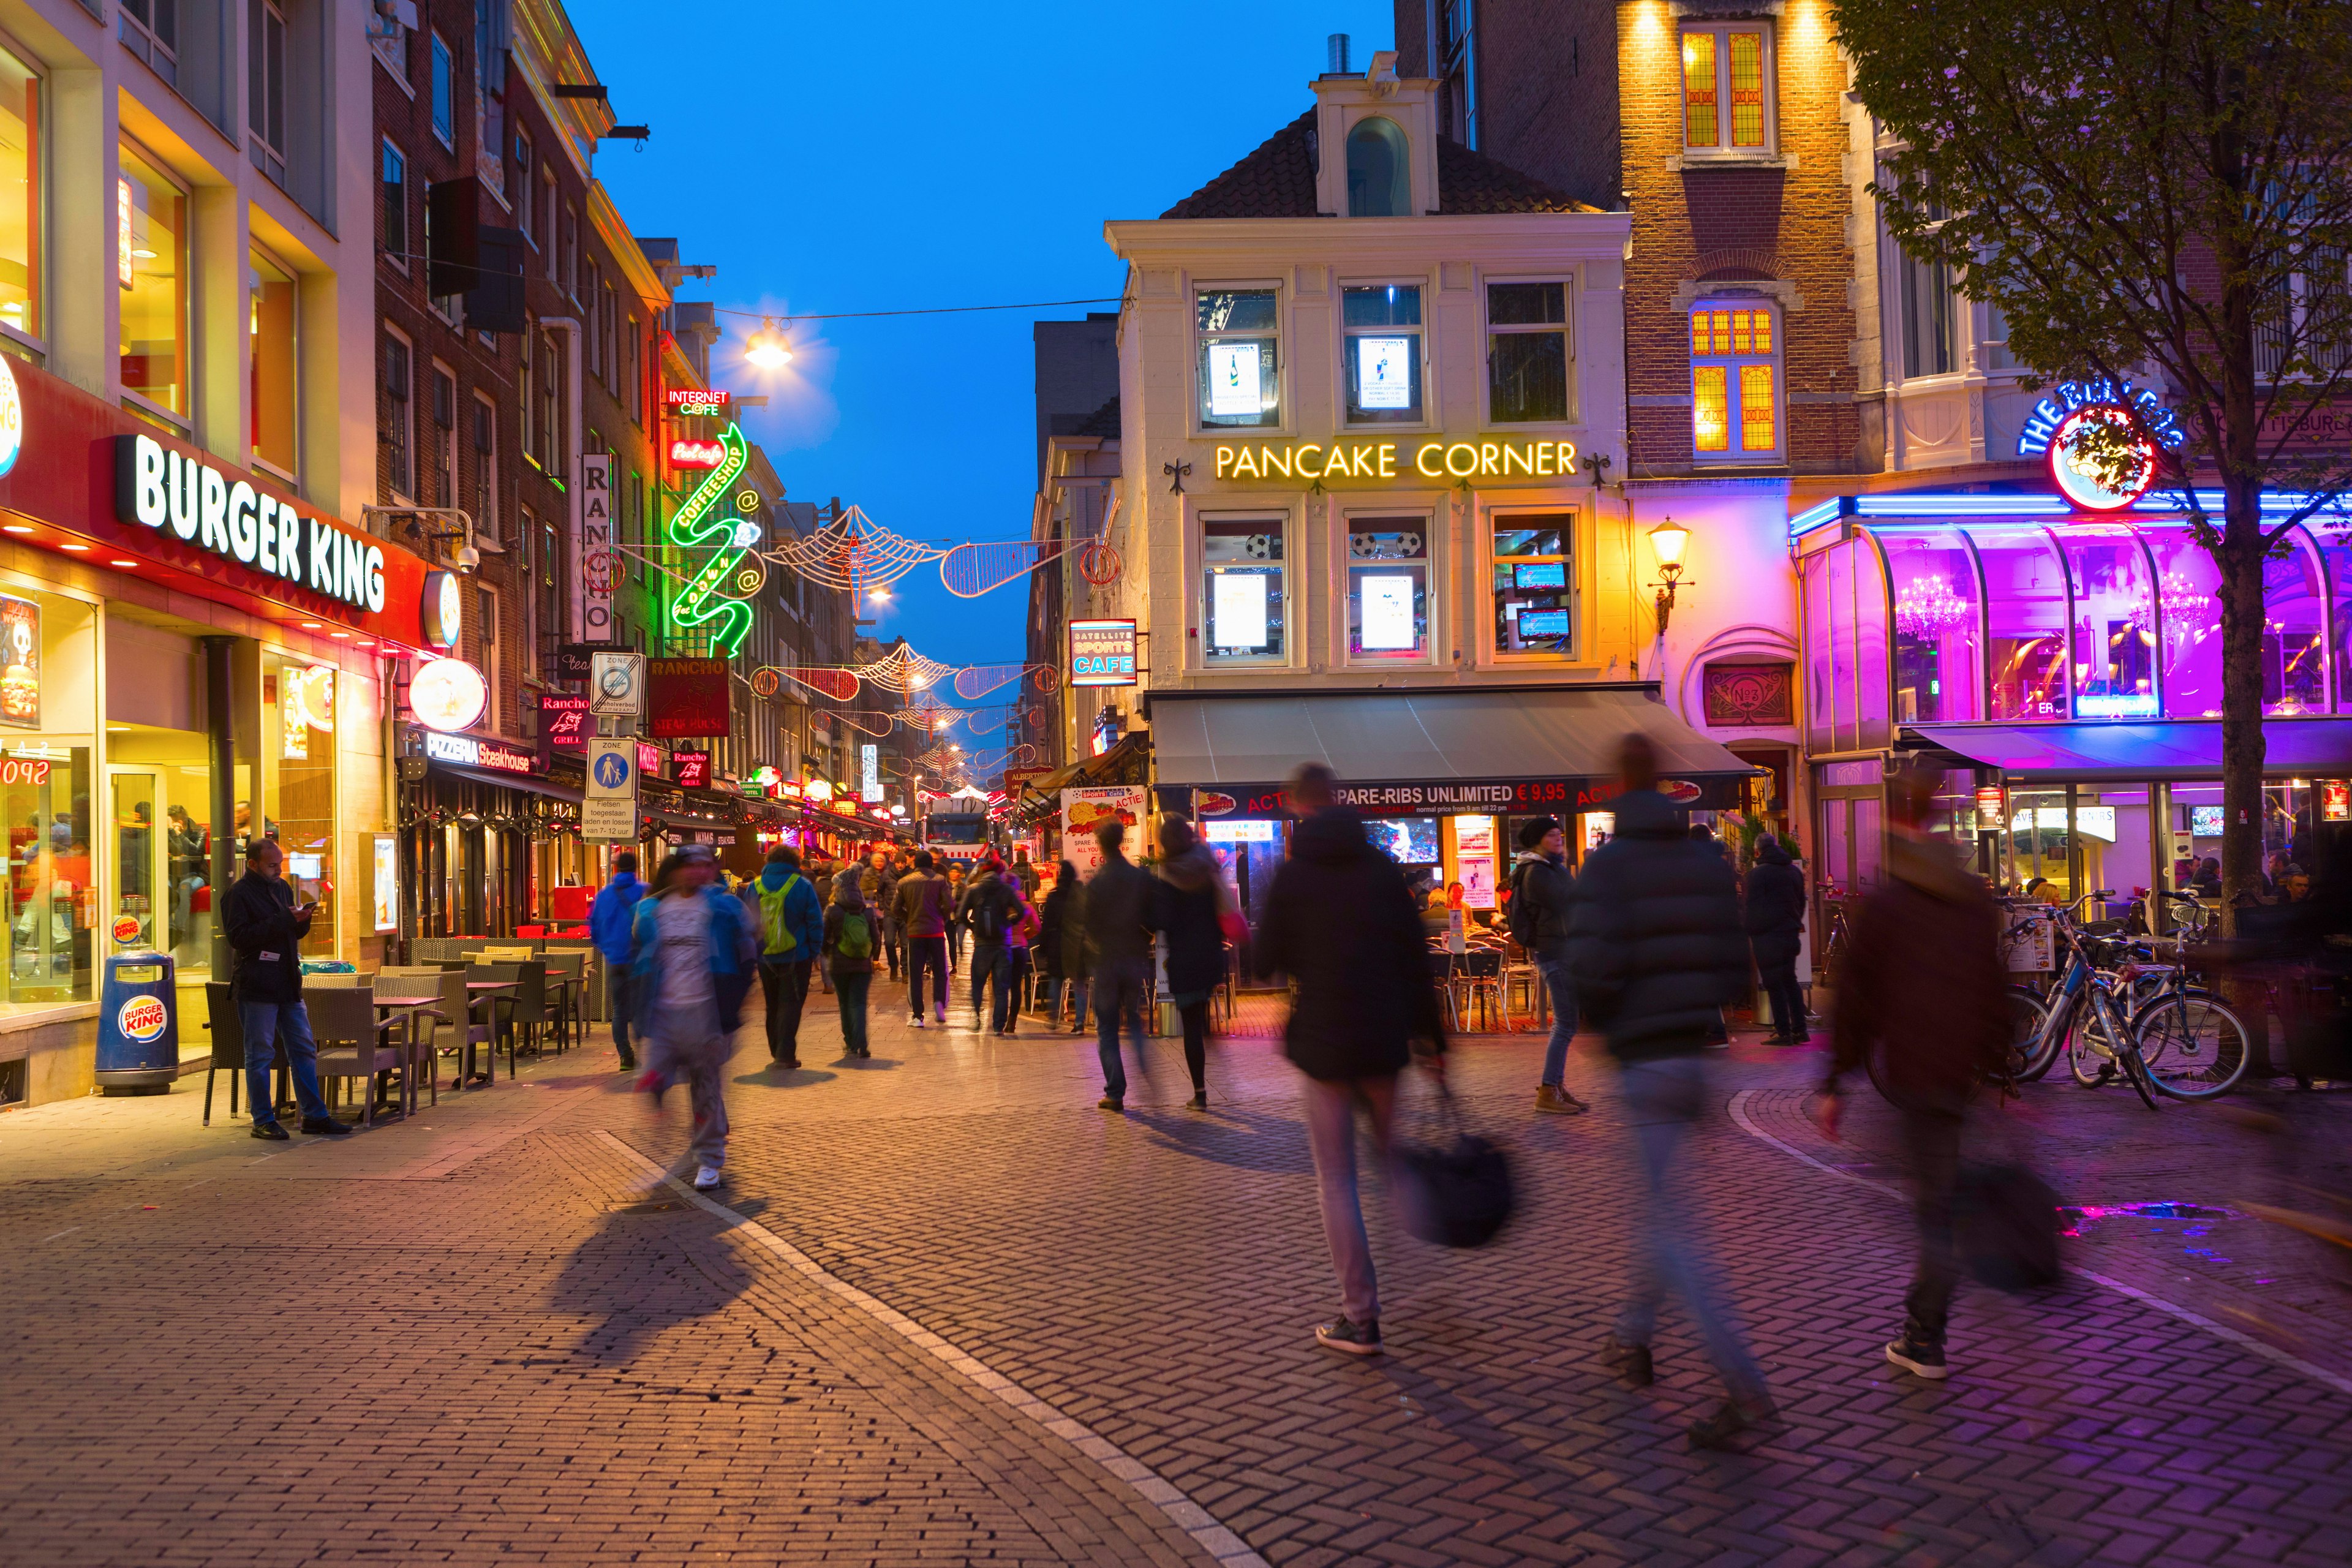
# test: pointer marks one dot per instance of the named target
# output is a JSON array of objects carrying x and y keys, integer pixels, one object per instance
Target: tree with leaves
[{"x": 2156, "y": 186}]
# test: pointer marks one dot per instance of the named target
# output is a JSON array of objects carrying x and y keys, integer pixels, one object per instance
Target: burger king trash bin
[{"x": 138, "y": 1024}]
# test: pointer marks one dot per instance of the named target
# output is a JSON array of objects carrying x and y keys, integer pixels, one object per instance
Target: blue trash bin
[{"x": 138, "y": 1024}]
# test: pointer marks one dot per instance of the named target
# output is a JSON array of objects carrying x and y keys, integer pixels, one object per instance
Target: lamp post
[{"x": 1667, "y": 541}]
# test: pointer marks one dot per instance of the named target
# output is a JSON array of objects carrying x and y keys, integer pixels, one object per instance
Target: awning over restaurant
[
  {"x": 534, "y": 783},
  {"x": 1045, "y": 791},
  {"x": 2170, "y": 751},
  {"x": 1451, "y": 749}
]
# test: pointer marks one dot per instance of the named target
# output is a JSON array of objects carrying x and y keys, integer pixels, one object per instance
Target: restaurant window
[
  {"x": 395, "y": 207},
  {"x": 2025, "y": 603},
  {"x": 270, "y": 325},
  {"x": 399, "y": 428},
  {"x": 1735, "y": 382},
  {"x": 525, "y": 211},
  {"x": 1527, "y": 353},
  {"x": 1380, "y": 329},
  {"x": 22, "y": 183},
  {"x": 1242, "y": 591},
  {"x": 152, "y": 232},
  {"x": 1240, "y": 382},
  {"x": 1534, "y": 582},
  {"x": 445, "y": 436},
  {"x": 445, "y": 111},
  {"x": 1937, "y": 628},
  {"x": 302, "y": 705},
  {"x": 2115, "y": 623},
  {"x": 266, "y": 83},
  {"x": 2338, "y": 554},
  {"x": 2293, "y": 617},
  {"x": 1727, "y": 90},
  {"x": 485, "y": 509},
  {"x": 150, "y": 29},
  {"x": 1380, "y": 170},
  {"x": 1388, "y": 589},
  {"x": 49, "y": 716}
]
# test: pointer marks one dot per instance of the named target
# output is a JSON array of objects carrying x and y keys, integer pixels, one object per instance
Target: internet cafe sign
[{"x": 1408, "y": 462}]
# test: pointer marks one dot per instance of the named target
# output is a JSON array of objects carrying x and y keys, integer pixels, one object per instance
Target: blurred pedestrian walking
[
  {"x": 608, "y": 928},
  {"x": 790, "y": 923},
  {"x": 879, "y": 883},
  {"x": 693, "y": 949},
  {"x": 958, "y": 875},
  {"x": 1775, "y": 922},
  {"x": 1062, "y": 946},
  {"x": 987, "y": 910},
  {"x": 1340, "y": 924},
  {"x": 1922, "y": 987},
  {"x": 1191, "y": 908},
  {"x": 1655, "y": 951},
  {"x": 1020, "y": 931},
  {"x": 1119, "y": 903},
  {"x": 1543, "y": 898},
  {"x": 922, "y": 909},
  {"x": 850, "y": 937}
]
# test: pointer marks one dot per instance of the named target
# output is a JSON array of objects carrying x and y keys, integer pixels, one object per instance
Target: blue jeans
[
  {"x": 1055, "y": 986},
  {"x": 1563, "y": 1018},
  {"x": 620, "y": 1002},
  {"x": 264, "y": 1023},
  {"x": 1119, "y": 995},
  {"x": 1663, "y": 1098},
  {"x": 991, "y": 964}
]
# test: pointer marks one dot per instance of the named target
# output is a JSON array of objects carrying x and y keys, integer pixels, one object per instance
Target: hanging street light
[{"x": 769, "y": 349}]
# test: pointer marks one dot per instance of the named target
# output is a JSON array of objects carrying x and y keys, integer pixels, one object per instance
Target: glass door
[{"x": 136, "y": 872}]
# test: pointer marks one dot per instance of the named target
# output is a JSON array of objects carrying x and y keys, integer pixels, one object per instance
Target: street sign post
[
  {"x": 608, "y": 808},
  {"x": 617, "y": 685}
]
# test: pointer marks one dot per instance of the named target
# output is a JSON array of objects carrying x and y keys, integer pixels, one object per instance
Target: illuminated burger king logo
[
  {"x": 2056, "y": 430},
  {"x": 126, "y": 929},
  {"x": 12, "y": 418},
  {"x": 141, "y": 1019}
]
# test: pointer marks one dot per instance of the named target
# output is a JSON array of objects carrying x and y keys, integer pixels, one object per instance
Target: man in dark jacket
[
  {"x": 1930, "y": 932},
  {"x": 1543, "y": 894},
  {"x": 921, "y": 909},
  {"x": 1775, "y": 918},
  {"x": 267, "y": 930},
  {"x": 988, "y": 909},
  {"x": 1655, "y": 951},
  {"x": 611, "y": 919},
  {"x": 1340, "y": 923},
  {"x": 784, "y": 912},
  {"x": 1118, "y": 902}
]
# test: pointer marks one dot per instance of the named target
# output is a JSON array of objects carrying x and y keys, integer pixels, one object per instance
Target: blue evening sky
[{"x": 833, "y": 158}]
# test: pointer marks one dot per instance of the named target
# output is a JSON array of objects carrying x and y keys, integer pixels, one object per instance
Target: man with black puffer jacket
[
  {"x": 1543, "y": 895},
  {"x": 1656, "y": 950}
]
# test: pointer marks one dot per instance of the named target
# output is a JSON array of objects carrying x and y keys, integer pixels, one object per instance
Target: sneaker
[
  {"x": 325, "y": 1124},
  {"x": 1352, "y": 1338},
  {"x": 270, "y": 1130},
  {"x": 919, "y": 1020},
  {"x": 943, "y": 1018},
  {"x": 1917, "y": 1354},
  {"x": 1110, "y": 1102},
  {"x": 1736, "y": 1417},
  {"x": 1200, "y": 1101},
  {"x": 1553, "y": 1098},
  {"x": 707, "y": 1178},
  {"x": 1777, "y": 1039},
  {"x": 1633, "y": 1361}
]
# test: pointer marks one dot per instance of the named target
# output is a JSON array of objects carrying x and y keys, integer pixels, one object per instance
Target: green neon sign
[{"x": 696, "y": 525}]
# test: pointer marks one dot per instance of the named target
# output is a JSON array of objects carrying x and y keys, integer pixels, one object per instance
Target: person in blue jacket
[
  {"x": 692, "y": 952},
  {"x": 790, "y": 923},
  {"x": 608, "y": 928}
]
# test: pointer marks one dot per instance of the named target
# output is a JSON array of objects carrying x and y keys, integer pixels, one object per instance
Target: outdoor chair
[
  {"x": 1481, "y": 973},
  {"x": 573, "y": 1008},
  {"x": 1440, "y": 975},
  {"x": 351, "y": 1044},
  {"x": 229, "y": 1045}
]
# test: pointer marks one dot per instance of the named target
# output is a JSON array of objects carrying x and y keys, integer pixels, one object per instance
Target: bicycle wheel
[
  {"x": 2192, "y": 1045},
  {"x": 2126, "y": 1049},
  {"x": 2030, "y": 1055},
  {"x": 2089, "y": 1053}
]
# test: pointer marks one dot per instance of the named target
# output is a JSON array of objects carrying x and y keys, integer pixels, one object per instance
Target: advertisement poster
[
  {"x": 1083, "y": 809},
  {"x": 1387, "y": 612},
  {"x": 1237, "y": 609},
  {"x": 1383, "y": 373},
  {"x": 1102, "y": 652},
  {"x": 687, "y": 698},
  {"x": 1474, "y": 854},
  {"x": 383, "y": 880},
  {"x": 20, "y": 663},
  {"x": 2335, "y": 800},
  {"x": 1234, "y": 381},
  {"x": 595, "y": 567},
  {"x": 869, "y": 773}
]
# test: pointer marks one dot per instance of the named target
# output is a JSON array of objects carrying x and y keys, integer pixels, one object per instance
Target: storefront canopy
[
  {"x": 2174, "y": 750},
  {"x": 1455, "y": 749}
]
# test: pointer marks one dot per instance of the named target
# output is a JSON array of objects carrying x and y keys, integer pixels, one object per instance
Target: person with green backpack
[
  {"x": 791, "y": 925},
  {"x": 851, "y": 934}
]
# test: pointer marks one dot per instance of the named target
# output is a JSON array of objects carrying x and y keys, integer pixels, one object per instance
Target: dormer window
[{"x": 1380, "y": 179}]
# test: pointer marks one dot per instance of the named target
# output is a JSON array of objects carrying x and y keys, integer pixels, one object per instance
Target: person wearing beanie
[{"x": 1543, "y": 894}]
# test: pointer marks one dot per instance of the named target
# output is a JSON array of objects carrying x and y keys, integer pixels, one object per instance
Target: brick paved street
[{"x": 974, "y": 1320}]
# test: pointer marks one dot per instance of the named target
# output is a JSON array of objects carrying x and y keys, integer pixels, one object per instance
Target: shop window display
[
  {"x": 1242, "y": 589},
  {"x": 1533, "y": 584},
  {"x": 300, "y": 712},
  {"x": 48, "y": 717},
  {"x": 1388, "y": 588},
  {"x": 2294, "y": 673}
]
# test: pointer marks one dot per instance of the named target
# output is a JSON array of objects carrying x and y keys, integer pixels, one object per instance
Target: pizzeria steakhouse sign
[{"x": 216, "y": 510}]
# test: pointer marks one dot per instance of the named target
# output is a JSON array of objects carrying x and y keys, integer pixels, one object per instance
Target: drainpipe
[{"x": 569, "y": 327}]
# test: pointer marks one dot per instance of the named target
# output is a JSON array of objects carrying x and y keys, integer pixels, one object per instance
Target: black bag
[
  {"x": 1459, "y": 1191},
  {"x": 731, "y": 992},
  {"x": 2005, "y": 1223},
  {"x": 1520, "y": 917},
  {"x": 988, "y": 914}
]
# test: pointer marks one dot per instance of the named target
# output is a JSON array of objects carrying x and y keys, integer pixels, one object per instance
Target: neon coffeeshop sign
[
  {"x": 213, "y": 509},
  {"x": 1412, "y": 462}
]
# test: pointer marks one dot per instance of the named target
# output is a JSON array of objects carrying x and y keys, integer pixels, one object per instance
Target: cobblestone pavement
[{"x": 947, "y": 1312}]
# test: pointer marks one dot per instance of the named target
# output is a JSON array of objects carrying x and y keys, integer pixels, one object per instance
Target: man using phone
[{"x": 265, "y": 928}]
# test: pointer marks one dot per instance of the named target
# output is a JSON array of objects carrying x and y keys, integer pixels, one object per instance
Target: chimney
[{"x": 1337, "y": 46}]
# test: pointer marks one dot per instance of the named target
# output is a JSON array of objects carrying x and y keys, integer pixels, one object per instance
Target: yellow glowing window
[
  {"x": 1758, "y": 414},
  {"x": 1747, "y": 62},
  {"x": 1699, "y": 90},
  {"x": 1710, "y": 410}
]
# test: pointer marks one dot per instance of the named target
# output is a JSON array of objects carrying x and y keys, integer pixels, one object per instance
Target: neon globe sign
[
  {"x": 448, "y": 694},
  {"x": 2055, "y": 429}
]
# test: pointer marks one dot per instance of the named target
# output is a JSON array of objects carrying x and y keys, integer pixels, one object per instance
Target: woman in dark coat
[
  {"x": 1775, "y": 922},
  {"x": 1063, "y": 955},
  {"x": 1187, "y": 908}
]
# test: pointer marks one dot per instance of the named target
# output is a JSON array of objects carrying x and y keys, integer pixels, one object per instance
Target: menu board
[
  {"x": 1383, "y": 373},
  {"x": 1474, "y": 857},
  {"x": 1237, "y": 610},
  {"x": 20, "y": 663},
  {"x": 1234, "y": 387},
  {"x": 1387, "y": 600}
]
